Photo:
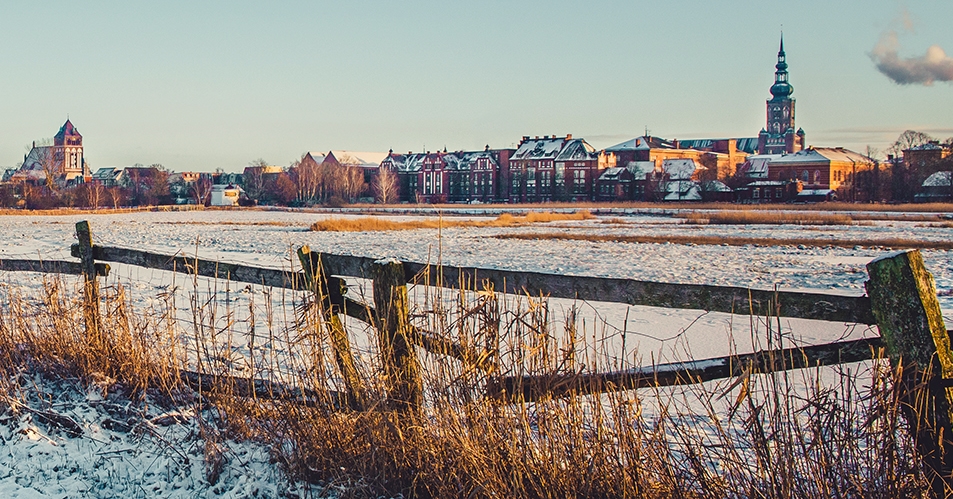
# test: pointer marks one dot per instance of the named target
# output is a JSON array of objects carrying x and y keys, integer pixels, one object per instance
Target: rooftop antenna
[{"x": 646, "y": 130}]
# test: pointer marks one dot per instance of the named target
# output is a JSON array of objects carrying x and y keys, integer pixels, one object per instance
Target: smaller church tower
[
  {"x": 68, "y": 149},
  {"x": 779, "y": 137}
]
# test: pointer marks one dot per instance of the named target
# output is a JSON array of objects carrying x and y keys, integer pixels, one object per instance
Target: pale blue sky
[{"x": 201, "y": 85}]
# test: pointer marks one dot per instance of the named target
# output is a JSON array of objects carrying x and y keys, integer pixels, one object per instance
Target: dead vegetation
[
  {"x": 783, "y": 435},
  {"x": 378, "y": 223}
]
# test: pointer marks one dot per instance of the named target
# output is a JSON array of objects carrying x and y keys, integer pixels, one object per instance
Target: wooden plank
[
  {"x": 737, "y": 300},
  {"x": 515, "y": 389},
  {"x": 903, "y": 296},
  {"x": 818, "y": 306},
  {"x": 44, "y": 266},
  {"x": 207, "y": 268}
]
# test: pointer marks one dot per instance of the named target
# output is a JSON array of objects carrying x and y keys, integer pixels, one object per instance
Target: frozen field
[{"x": 111, "y": 462}]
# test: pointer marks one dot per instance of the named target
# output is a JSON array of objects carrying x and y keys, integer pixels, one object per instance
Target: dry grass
[
  {"x": 893, "y": 242},
  {"x": 370, "y": 224},
  {"x": 780, "y": 436}
]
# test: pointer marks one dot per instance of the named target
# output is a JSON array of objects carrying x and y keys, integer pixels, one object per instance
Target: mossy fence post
[
  {"x": 84, "y": 250},
  {"x": 394, "y": 332},
  {"x": 329, "y": 293},
  {"x": 903, "y": 299}
]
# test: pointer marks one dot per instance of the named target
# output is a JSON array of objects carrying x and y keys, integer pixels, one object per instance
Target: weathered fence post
[
  {"x": 903, "y": 299},
  {"x": 329, "y": 293},
  {"x": 91, "y": 285},
  {"x": 401, "y": 367}
]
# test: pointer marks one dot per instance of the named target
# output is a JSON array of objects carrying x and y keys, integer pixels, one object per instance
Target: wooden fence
[{"x": 901, "y": 301}]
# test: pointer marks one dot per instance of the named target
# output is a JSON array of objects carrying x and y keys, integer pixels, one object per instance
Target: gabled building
[
  {"x": 822, "y": 171},
  {"x": 552, "y": 168},
  {"x": 407, "y": 167},
  {"x": 720, "y": 157},
  {"x": 63, "y": 161}
]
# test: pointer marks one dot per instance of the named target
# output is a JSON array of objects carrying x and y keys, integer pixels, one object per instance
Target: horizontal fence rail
[
  {"x": 536, "y": 387},
  {"x": 726, "y": 299}
]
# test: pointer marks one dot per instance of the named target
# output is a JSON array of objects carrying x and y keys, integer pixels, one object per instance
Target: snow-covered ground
[{"x": 157, "y": 460}]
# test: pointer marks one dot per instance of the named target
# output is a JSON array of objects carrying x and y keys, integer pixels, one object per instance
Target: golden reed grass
[
  {"x": 369, "y": 224},
  {"x": 784, "y": 435}
]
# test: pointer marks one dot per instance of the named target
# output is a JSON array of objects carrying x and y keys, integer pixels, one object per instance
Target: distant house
[
  {"x": 677, "y": 181},
  {"x": 108, "y": 176},
  {"x": 625, "y": 183},
  {"x": 454, "y": 177},
  {"x": 552, "y": 168},
  {"x": 770, "y": 191},
  {"x": 938, "y": 187},
  {"x": 822, "y": 169},
  {"x": 721, "y": 157},
  {"x": 225, "y": 195}
]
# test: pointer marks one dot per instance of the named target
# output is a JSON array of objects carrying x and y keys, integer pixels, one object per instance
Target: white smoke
[{"x": 935, "y": 65}]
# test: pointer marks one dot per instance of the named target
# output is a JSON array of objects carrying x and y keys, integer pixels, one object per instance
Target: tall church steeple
[{"x": 778, "y": 136}]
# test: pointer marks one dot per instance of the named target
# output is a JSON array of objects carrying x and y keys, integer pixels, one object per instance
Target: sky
[{"x": 202, "y": 85}]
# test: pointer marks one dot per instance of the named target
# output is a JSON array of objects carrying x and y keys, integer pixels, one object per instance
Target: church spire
[{"x": 781, "y": 87}]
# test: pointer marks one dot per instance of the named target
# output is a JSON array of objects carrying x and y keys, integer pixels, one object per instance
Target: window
[
  {"x": 779, "y": 193},
  {"x": 755, "y": 193},
  {"x": 817, "y": 176}
]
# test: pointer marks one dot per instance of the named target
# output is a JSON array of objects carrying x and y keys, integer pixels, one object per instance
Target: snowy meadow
[{"x": 713, "y": 439}]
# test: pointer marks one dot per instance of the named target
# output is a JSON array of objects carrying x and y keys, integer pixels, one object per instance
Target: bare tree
[
  {"x": 92, "y": 194},
  {"x": 115, "y": 196},
  {"x": 908, "y": 140},
  {"x": 201, "y": 189},
  {"x": 385, "y": 186},
  {"x": 254, "y": 179}
]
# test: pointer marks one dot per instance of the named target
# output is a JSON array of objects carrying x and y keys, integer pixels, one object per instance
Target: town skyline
[{"x": 200, "y": 88}]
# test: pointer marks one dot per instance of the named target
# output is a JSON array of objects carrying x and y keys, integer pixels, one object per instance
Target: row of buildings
[{"x": 774, "y": 166}]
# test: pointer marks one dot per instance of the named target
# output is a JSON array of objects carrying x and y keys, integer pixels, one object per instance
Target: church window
[{"x": 805, "y": 176}]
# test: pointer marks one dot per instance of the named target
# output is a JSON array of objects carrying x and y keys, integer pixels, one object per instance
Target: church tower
[
  {"x": 779, "y": 137},
  {"x": 68, "y": 151}
]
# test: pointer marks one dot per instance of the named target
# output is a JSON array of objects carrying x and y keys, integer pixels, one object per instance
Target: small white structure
[{"x": 225, "y": 195}]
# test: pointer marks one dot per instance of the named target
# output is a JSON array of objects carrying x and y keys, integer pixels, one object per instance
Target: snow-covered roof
[
  {"x": 814, "y": 192},
  {"x": 641, "y": 144},
  {"x": 929, "y": 146},
  {"x": 317, "y": 156},
  {"x": 576, "y": 149},
  {"x": 544, "y": 148},
  {"x": 938, "y": 179},
  {"x": 715, "y": 186},
  {"x": 757, "y": 166},
  {"x": 744, "y": 144},
  {"x": 356, "y": 158},
  {"x": 680, "y": 168},
  {"x": 610, "y": 174},
  {"x": 410, "y": 162},
  {"x": 106, "y": 173},
  {"x": 681, "y": 190},
  {"x": 641, "y": 168},
  {"x": 767, "y": 183},
  {"x": 822, "y": 155}
]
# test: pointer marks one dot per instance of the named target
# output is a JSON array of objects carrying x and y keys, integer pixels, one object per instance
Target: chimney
[
  {"x": 537, "y": 137},
  {"x": 675, "y": 142},
  {"x": 525, "y": 138},
  {"x": 568, "y": 136},
  {"x": 487, "y": 148}
]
